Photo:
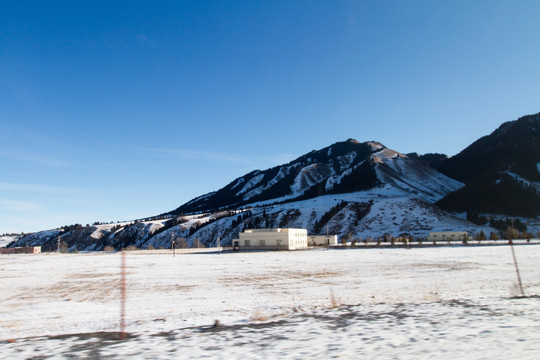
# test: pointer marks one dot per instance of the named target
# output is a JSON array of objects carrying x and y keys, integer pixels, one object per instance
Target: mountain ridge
[
  {"x": 501, "y": 171},
  {"x": 342, "y": 167},
  {"x": 353, "y": 189}
]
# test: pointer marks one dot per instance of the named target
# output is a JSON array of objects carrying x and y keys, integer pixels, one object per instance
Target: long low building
[
  {"x": 280, "y": 239},
  {"x": 21, "y": 250},
  {"x": 448, "y": 236}
]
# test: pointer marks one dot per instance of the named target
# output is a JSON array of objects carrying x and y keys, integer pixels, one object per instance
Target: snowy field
[{"x": 419, "y": 303}]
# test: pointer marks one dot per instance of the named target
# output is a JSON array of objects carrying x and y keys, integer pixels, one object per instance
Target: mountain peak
[{"x": 343, "y": 167}]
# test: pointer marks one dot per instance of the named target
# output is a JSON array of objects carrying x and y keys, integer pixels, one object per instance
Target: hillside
[
  {"x": 341, "y": 168},
  {"x": 501, "y": 171}
]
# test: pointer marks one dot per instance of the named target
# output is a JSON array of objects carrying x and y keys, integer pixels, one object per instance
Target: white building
[
  {"x": 322, "y": 240},
  {"x": 272, "y": 239},
  {"x": 448, "y": 236}
]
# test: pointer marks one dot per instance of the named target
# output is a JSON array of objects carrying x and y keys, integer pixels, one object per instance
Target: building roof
[{"x": 271, "y": 230}]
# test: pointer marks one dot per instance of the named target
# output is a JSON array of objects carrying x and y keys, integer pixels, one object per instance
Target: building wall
[
  {"x": 21, "y": 250},
  {"x": 448, "y": 235}
]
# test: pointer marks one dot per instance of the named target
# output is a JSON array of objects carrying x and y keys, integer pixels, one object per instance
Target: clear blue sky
[{"x": 113, "y": 110}]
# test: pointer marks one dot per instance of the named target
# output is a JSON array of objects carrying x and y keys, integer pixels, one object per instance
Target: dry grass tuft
[
  {"x": 432, "y": 295},
  {"x": 334, "y": 301}
]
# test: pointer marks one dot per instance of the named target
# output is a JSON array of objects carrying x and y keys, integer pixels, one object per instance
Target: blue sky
[{"x": 115, "y": 110}]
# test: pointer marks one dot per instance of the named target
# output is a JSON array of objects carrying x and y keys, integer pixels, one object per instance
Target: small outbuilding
[{"x": 322, "y": 240}]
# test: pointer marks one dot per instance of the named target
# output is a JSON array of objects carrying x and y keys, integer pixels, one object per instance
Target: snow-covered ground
[{"x": 443, "y": 302}]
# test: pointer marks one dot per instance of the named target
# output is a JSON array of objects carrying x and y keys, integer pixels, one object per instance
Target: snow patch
[
  {"x": 345, "y": 161},
  {"x": 240, "y": 181},
  {"x": 250, "y": 184},
  {"x": 284, "y": 171},
  {"x": 525, "y": 182},
  {"x": 202, "y": 197},
  {"x": 375, "y": 145},
  {"x": 7, "y": 239},
  {"x": 334, "y": 180},
  {"x": 309, "y": 176},
  {"x": 385, "y": 155}
]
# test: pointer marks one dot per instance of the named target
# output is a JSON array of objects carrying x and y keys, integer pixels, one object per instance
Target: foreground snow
[{"x": 376, "y": 303}]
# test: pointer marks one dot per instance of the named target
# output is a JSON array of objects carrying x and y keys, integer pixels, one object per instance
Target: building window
[
  {"x": 279, "y": 242},
  {"x": 247, "y": 243},
  {"x": 262, "y": 242}
]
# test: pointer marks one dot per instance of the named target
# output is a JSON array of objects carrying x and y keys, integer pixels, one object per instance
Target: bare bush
[{"x": 334, "y": 301}]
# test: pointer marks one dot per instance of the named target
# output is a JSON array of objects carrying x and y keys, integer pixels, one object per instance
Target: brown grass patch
[
  {"x": 76, "y": 288},
  {"x": 273, "y": 278},
  {"x": 258, "y": 316}
]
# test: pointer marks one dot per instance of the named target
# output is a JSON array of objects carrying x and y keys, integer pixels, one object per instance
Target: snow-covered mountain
[
  {"x": 341, "y": 168},
  {"x": 349, "y": 188},
  {"x": 353, "y": 189}
]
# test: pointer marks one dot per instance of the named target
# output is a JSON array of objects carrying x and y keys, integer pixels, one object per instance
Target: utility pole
[
  {"x": 515, "y": 260},
  {"x": 58, "y": 244},
  {"x": 123, "y": 296}
]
